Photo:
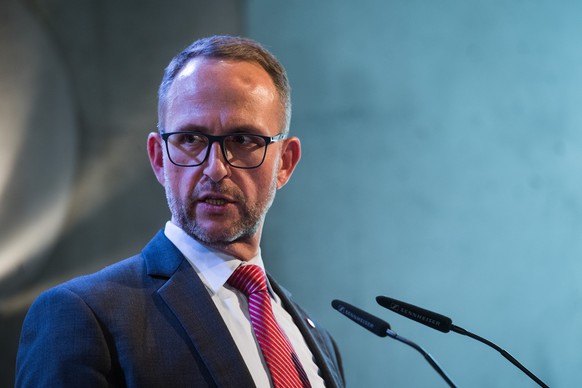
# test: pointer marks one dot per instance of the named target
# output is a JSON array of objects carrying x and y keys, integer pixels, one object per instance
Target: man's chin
[
  {"x": 213, "y": 239},
  {"x": 216, "y": 236},
  {"x": 219, "y": 232}
]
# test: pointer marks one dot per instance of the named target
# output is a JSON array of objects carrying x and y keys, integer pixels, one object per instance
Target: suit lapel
[
  {"x": 187, "y": 298},
  {"x": 312, "y": 338}
]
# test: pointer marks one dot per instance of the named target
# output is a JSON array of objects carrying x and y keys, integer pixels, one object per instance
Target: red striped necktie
[{"x": 283, "y": 363}]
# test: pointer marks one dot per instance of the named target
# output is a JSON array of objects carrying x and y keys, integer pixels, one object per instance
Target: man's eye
[
  {"x": 245, "y": 140},
  {"x": 239, "y": 139},
  {"x": 190, "y": 139}
]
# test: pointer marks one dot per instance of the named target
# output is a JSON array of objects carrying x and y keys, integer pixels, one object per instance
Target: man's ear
[
  {"x": 290, "y": 155},
  {"x": 156, "y": 155}
]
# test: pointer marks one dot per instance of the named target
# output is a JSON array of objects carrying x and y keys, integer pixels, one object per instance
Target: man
[{"x": 178, "y": 314}]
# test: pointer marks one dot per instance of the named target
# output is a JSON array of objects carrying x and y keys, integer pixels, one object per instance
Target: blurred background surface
[{"x": 442, "y": 151}]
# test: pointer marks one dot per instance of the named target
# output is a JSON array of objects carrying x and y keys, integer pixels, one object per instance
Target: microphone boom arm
[
  {"x": 503, "y": 352},
  {"x": 426, "y": 355}
]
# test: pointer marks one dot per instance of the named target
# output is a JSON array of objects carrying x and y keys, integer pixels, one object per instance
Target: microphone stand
[
  {"x": 426, "y": 355},
  {"x": 504, "y": 353}
]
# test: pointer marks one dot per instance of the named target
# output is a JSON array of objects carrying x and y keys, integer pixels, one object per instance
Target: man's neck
[
  {"x": 240, "y": 249},
  {"x": 243, "y": 248}
]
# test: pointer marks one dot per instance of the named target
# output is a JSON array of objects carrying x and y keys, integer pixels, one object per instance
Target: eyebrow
[{"x": 238, "y": 129}]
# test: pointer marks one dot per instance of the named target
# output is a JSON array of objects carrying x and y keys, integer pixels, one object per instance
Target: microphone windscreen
[
  {"x": 362, "y": 318},
  {"x": 431, "y": 319}
]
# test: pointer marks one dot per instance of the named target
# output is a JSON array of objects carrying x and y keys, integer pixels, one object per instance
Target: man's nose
[{"x": 216, "y": 167}]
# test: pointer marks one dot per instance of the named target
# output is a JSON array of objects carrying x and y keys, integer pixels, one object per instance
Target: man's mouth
[{"x": 215, "y": 201}]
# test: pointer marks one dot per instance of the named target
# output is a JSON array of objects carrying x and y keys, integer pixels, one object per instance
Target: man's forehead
[
  {"x": 221, "y": 74},
  {"x": 225, "y": 79},
  {"x": 190, "y": 67},
  {"x": 218, "y": 65}
]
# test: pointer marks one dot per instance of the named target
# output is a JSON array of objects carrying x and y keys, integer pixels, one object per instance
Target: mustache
[{"x": 219, "y": 188}]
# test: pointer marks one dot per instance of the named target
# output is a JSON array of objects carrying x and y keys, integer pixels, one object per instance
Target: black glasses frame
[{"x": 220, "y": 140}]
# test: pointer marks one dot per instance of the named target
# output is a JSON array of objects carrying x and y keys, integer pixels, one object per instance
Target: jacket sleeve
[{"x": 62, "y": 344}]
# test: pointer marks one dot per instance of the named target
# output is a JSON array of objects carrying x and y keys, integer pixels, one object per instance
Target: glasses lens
[
  {"x": 245, "y": 151},
  {"x": 240, "y": 150},
  {"x": 187, "y": 149}
]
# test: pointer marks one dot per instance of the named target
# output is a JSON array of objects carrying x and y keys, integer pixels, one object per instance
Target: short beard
[{"x": 251, "y": 218}]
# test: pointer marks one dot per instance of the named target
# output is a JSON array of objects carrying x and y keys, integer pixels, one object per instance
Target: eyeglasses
[{"x": 240, "y": 150}]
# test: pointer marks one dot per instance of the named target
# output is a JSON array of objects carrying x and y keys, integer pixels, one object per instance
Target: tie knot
[{"x": 249, "y": 279}]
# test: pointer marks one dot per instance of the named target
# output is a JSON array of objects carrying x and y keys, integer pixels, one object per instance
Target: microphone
[
  {"x": 426, "y": 317},
  {"x": 382, "y": 329},
  {"x": 445, "y": 324},
  {"x": 362, "y": 318}
]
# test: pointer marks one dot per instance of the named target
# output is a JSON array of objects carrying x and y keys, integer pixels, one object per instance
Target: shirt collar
[{"x": 213, "y": 267}]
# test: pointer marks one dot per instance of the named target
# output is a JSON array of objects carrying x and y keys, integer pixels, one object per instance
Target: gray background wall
[{"x": 441, "y": 165}]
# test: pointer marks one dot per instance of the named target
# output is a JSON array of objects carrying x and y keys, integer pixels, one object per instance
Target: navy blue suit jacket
[{"x": 147, "y": 321}]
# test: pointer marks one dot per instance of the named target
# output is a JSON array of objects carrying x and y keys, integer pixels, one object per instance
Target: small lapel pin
[{"x": 310, "y": 322}]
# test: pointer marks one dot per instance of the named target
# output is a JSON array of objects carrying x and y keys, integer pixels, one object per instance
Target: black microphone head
[
  {"x": 436, "y": 321},
  {"x": 362, "y": 318}
]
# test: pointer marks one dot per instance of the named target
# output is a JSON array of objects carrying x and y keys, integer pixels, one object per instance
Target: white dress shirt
[{"x": 214, "y": 268}]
